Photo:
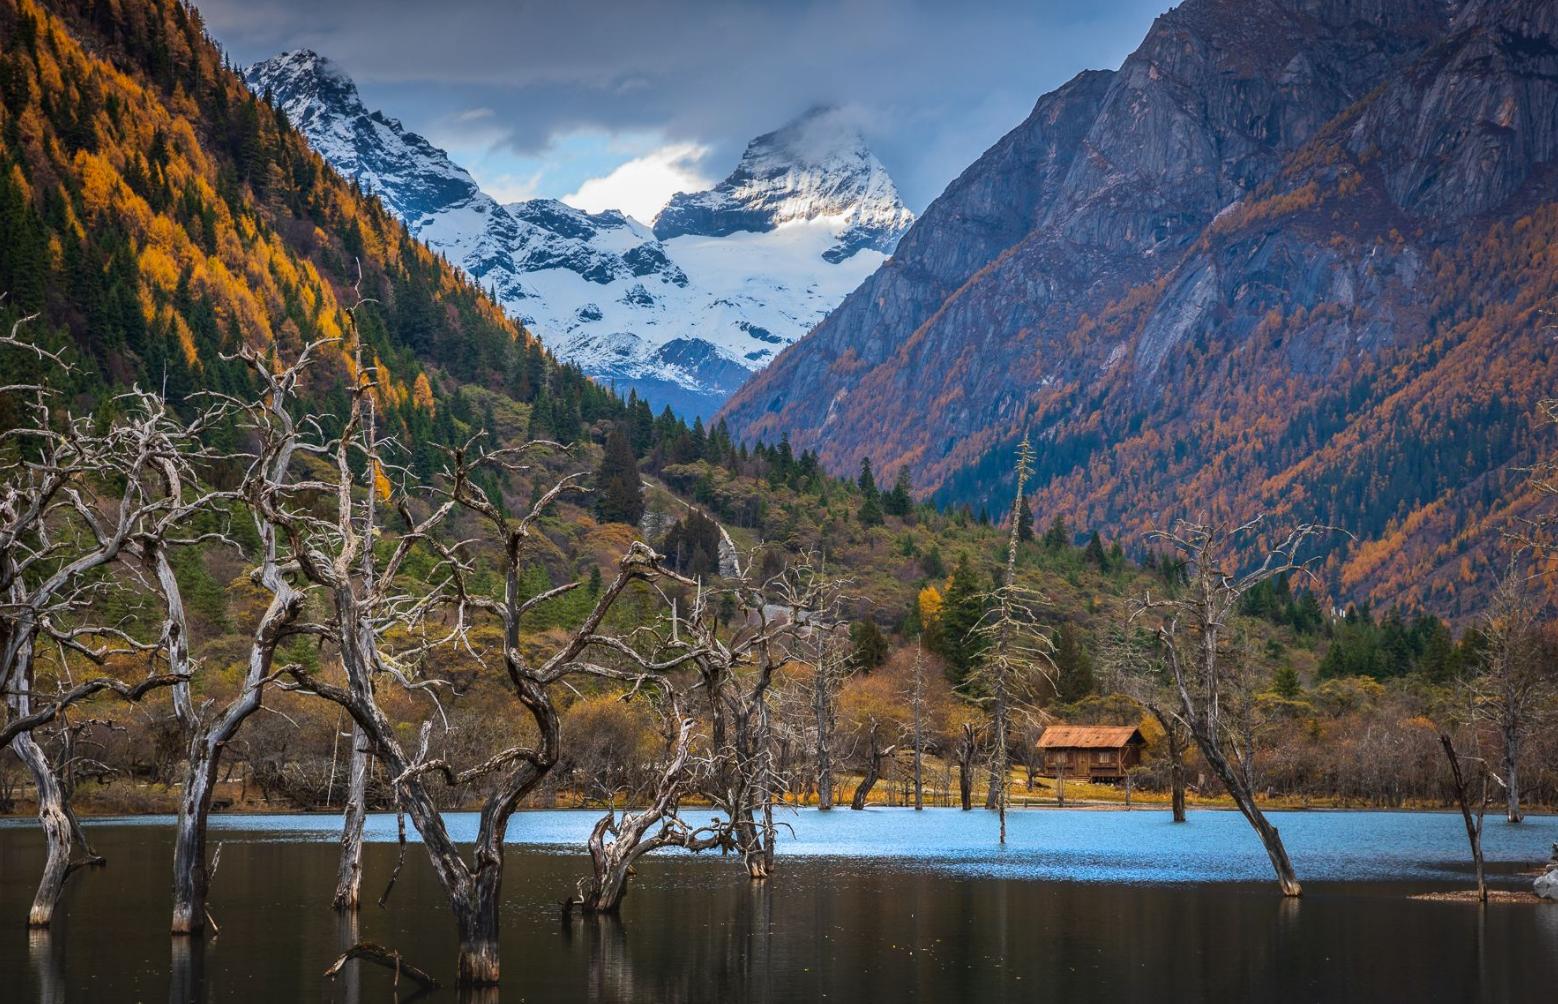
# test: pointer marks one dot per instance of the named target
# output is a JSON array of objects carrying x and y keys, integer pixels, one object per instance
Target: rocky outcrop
[
  {"x": 1546, "y": 884},
  {"x": 1212, "y": 273}
]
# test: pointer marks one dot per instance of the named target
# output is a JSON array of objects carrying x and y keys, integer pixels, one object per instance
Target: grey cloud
[{"x": 939, "y": 81}]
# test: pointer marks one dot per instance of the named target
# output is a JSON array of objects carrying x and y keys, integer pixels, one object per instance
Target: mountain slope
[
  {"x": 155, "y": 213},
  {"x": 681, "y": 314},
  {"x": 1286, "y": 257}
]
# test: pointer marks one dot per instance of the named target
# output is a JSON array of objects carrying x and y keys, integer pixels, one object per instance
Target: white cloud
[
  {"x": 506, "y": 187},
  {"x": 644, "y": 184}
]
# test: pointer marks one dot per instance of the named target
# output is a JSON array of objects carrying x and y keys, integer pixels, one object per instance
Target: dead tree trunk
[
  {"x": 348, "y": 880},
  {"x": 1244, "y": 798},
  {"x": 822, "y": 713},
  {"x": 918, "y": 699},
  {"x": 612, "y": 860},
  {"x": 56, "y": 830},
  {"x": 877, "y": 754},
  {"x": 1512, "y": 776},
  {"x": 1176, "y": 773},
  {"x": 1173, "y": 731},
  {"x": 191, "y": 875},
  {"x": 1473, "y": 821},
  {"x": 967, "y": 747}
]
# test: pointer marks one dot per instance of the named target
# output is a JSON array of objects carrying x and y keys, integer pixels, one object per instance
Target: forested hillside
[{"x": 155, "y": 214}]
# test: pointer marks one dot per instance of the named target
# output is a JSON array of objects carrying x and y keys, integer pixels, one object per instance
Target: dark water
[{"x": 880, "y": 905}]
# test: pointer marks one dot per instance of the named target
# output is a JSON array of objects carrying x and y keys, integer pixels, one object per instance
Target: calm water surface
[{"x": 885, "y": 904}]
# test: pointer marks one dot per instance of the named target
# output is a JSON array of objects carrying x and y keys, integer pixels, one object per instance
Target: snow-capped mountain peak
[
  {"x": 816, "y": 167},
  {"x": 682, "y": 314}
]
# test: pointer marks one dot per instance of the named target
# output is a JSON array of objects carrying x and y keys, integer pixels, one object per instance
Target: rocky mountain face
[
  {"x": 1289, "y": 257},
  {"x": 682, "y": 312}
]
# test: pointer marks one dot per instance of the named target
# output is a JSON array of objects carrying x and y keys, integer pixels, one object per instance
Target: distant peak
[
  {"x": 815, "y": 166},
  {"x": 819, "y": 135},
  {"x": 299, "y": 68}
]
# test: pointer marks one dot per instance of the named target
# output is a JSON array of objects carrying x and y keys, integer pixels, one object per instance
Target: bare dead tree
[
  {"x": 877, "y": 753},
  {"x": 1193, "y": 628},
  {"x": 1135, "y": 666},
  {"x": 71, "y": 505},
  {"x": 917, "y": 728},
  {"x": 736, "y": 674},
  {"x": 268, "y": 490},
  {"x": 824, "y": 718},
  {"x": 1515, "y": 686},
  {"x": 616, "y": 843},
  {"x": 1472, "y": 818},
  {"x": 1015, "y": 654},
  {"x": 334, "y": 555},
  {"x": 967, "y": 750}
]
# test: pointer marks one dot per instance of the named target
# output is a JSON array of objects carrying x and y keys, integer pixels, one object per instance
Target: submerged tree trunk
[
  {"x": 873, "y": 772},
  {"x": 56, "y": 829},
  {"x": 1176, "y": 773},
  {"x": 1473, "y": 821},
  {"x": 612, "y": 861},
  {"x": 476, "y": 920},
  {"x": 822, "y": 713},
  {"x": 1512, "y": 776},
  {"x": 191, "y": 879},
  {"x": 1244, "y": 798},
  {"x": 348, "y": 881},
  {"x": 966, "y": 750}
]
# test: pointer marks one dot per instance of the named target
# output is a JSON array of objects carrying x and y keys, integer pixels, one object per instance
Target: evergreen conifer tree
[{"x": 620, "y": 497}]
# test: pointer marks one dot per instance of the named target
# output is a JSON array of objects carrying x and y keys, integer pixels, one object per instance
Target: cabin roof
[{"x": 1089, "y": 737}]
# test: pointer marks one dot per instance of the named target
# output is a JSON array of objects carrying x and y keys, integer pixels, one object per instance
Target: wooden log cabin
[{"x": 1090, "y": 752}]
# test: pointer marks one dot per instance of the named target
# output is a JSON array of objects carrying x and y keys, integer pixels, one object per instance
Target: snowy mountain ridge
[{"x": 684, "y": 311}]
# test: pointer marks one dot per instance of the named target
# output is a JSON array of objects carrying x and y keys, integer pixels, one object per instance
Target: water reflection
[
  {"x": 348, "y": 932},
  {"x": 859, "y": 928},
  {"x": 46, "y": 953},
  {"x": 187, "y": 970}
]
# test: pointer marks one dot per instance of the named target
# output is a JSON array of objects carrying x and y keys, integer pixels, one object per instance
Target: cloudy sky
[{"x": 620, "y": 104}]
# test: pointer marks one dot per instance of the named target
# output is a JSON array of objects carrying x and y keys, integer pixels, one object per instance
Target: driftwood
[{"x": 389, "y": 958}]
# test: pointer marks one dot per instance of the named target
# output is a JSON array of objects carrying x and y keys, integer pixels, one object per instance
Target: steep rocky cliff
[{"x": 1289, "y": 256}]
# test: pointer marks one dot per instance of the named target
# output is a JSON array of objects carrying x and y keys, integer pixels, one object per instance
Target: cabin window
[{"x": 1103, "y": 756}]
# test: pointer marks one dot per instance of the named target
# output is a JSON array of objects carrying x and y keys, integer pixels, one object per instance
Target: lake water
[{"x": 886, "y": 904}]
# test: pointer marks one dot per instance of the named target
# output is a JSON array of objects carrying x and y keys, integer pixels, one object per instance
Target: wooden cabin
[{"x": 1090, "y": 752}]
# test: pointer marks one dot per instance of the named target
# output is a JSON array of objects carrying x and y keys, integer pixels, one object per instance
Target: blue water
[
  {"x": 1140, "y": 846},
  {"x": 883, "y": 905}
]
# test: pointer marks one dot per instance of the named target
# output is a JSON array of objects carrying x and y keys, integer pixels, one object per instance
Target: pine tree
[
  {"x": 1073, "y": 666},
  {"x": 867, "y": 482},
  {"x": 962, "y": 608},
  {"x": 899, "y": 501},
  {"x": 621, "y": 490},
  {"x": 1057, "y": 537},
  {"x": 1094, "y": 552},
  {"x": 869, "y": 644},
  {"x": 871, "y": 511},
  {"x": 1024, "y": 521},
  {"x": 871, "y": 499}
]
